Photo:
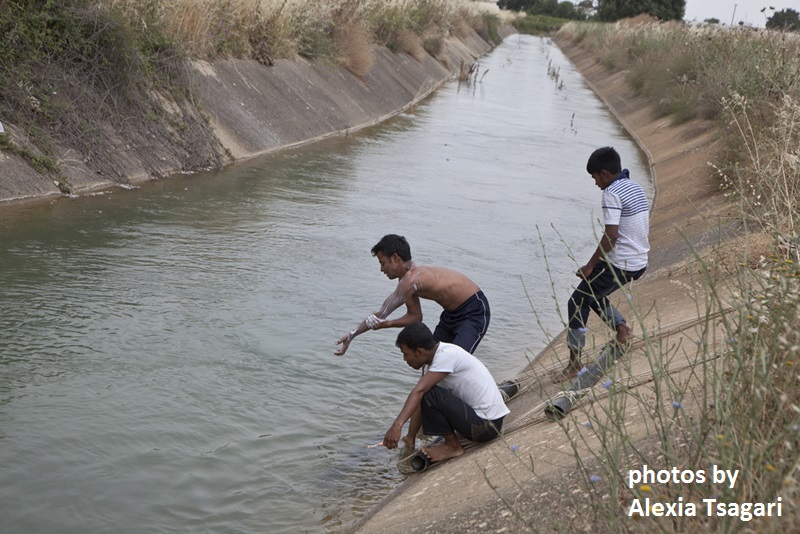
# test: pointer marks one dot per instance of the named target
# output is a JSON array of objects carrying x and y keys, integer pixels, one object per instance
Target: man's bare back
[{"x": 448, "y": 288}]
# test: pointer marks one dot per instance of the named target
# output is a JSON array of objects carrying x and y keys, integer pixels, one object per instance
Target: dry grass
[
  {"x": 410, "y": 43},
  {"x": 342, "y": 30},
  {"x": 689, "y": 70},
  {"x": 739, "y": 406},
  {"x": 69, "y": 68},
  {"x": 768, "y": 185},
  {"x": 461, "y": 29},
  {"x": 354, "y": 45},
  {"x": 748, "y": 80}
]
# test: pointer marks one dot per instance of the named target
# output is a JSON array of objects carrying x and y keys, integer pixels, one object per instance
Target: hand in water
[{"x": 392, "y": 437}]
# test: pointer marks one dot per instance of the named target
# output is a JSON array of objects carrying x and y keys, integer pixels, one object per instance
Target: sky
[{"x": 748, "y": 11}]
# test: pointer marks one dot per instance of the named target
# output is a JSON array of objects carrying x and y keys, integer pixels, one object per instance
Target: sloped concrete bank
[
  {"x": 252, "y": 110},
  {"x": 530, "y": 480},
  {"x": 256, "y": 110}
]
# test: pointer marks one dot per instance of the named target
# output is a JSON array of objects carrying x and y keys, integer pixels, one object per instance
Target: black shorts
[{"x": 466, "y": 325}]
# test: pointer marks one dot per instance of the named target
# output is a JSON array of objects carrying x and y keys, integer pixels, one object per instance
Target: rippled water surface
[{"x": 166, "y": 357}]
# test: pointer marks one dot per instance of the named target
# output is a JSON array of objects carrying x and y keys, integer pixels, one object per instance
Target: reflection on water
[{"x": 166, "y": 363}]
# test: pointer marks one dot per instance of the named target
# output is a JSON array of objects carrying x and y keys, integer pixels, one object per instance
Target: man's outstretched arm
[
  {"x": 413, "y": 315},
  {"x": 403, "y": 293},
  {"x": 345, "y": 340}
]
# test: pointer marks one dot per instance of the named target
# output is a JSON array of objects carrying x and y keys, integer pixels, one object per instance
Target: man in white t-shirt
[
  {"x": 456, "y": 396},
  {"x": 620, "y": 257}
]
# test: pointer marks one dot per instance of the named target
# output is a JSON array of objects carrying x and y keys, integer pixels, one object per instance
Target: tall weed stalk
[{"x": 723, "y": 389}]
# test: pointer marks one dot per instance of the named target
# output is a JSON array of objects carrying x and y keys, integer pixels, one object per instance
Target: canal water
[{"x": 166, "y": 353}]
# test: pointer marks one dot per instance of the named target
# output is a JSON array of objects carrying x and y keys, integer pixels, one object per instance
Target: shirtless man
[{"x": 466, "y": 311}]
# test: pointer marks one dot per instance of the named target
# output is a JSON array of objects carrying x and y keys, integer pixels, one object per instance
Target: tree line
[
  {"x": 612, "y": 10},
  {"x": 604, "y": 10}
]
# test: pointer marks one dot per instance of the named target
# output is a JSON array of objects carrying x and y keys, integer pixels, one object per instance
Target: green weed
[{"x": 538, "y": 24}]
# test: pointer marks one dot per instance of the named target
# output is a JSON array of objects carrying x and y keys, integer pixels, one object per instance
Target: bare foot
[
  {"x": 623, "y": 334},
  {"x": 443, "y": 451},
  {"x": 568, "y": 373},
  {"x": 410, "y": 442}
]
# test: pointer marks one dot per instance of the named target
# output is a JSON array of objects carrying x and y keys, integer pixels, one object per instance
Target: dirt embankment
[
  {"x": 530, "y": 479},
  {"x": 251, "y": 109}
]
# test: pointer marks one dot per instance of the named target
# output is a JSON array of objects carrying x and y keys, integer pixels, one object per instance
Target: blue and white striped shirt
[{"x": 625, "y": 205}]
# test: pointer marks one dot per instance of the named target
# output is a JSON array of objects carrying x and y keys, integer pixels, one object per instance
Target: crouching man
[{"x": 456, "y": 396}]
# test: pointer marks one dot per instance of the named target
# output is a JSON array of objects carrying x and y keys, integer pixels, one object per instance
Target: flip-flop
[{"x": 508, "y": 389}]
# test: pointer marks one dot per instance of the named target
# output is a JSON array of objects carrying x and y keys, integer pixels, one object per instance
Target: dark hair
[
  {"x": 604, "y": 158},
  {"x": 393, "y": 244},
  {"x": 416, "y": 336}
]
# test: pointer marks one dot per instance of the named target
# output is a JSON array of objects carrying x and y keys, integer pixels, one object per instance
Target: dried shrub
[
  {"x": 410, "y": 43},
  {"x": 354, "y": 49},
  {"x": 461, "y": 28},
  {"x": 433, "y": 43}
]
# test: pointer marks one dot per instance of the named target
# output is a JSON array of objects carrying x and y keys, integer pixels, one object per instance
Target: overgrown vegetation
[
  {"x": 75, "y": 75},
  {"x": 734, "y": 405},
  {"x": 612, "y": 10},
  {"x": 740, "y": 78},
  {"x": 690, "y": 72},
  {"x": 87, "y": 77},
  {"x": 539, "y": 24},
  {"x": 545, "y": 17},
  {"x": 728, "y": 394},
  {"x": 551, "y": 8},
  {"x": 785, "y": 19},
  {"x": 601, "y": 10}
]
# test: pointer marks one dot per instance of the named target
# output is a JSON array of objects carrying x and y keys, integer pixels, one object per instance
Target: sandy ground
[{"x": 530, "y": 479}]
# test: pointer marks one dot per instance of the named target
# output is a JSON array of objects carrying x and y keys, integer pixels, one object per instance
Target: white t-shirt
[
  {"x": 469, "y": 380},
  {"x": 625, "y": 205}
]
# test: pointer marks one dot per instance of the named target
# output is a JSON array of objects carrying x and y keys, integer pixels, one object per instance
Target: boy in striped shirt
[{"x": 620, "y": 257}]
